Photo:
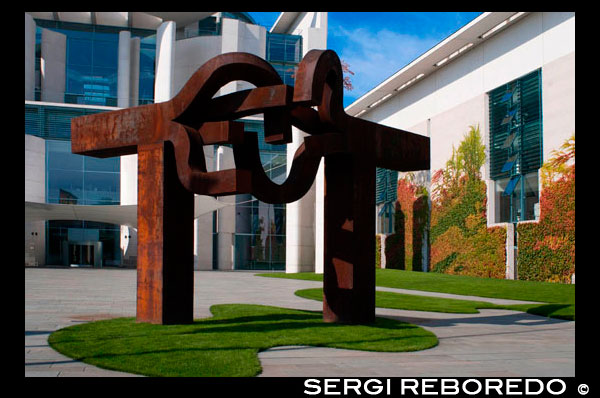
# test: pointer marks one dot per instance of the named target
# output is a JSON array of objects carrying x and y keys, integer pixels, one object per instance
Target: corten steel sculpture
[{"x": 168, "y": 138}]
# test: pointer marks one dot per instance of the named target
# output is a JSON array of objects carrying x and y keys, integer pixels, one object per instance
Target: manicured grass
[
  {"x": 543, "y": 292},
  {"x": 438, "y": 304},
  {"x": 226, "y": 344}
]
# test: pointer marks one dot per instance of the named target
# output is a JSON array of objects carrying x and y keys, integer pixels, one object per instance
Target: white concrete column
[
  {"x": 316, "y": 38},
  {"x": 53, "y": 66},
  {"x": 165, "y": 62},
  {"x": 134, "y": 71},
  {"x": 320, "y": 218},
  {"x": 225, "y": 216},
  {"x": 203, "y": 226},
  {"x": 29, "y": 58},
  {"x": 511, "y": 261},
  {"x": 300, "y": 221},
  {"x": 305, "y": 217},
  {"x": 124, "y": 69}
]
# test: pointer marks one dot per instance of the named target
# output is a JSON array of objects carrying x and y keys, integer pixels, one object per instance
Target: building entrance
[{"x": 82, "y": 254}]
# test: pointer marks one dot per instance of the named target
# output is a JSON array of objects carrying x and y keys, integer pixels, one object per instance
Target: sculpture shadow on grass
[{"x": 227, "y": 344}]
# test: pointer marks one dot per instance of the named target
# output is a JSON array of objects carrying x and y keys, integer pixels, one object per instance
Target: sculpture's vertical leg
[
  {"x": 165, "y": 270},
  {"x": 349, "y": 263}
]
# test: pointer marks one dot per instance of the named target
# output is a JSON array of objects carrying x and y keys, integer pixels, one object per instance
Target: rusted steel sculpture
[{"x": 168, "y": 138}]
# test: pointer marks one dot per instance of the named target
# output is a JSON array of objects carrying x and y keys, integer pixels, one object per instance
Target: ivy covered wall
[
  {"x": 547, "y": 248},
  {"x": 456, "y": 224}
]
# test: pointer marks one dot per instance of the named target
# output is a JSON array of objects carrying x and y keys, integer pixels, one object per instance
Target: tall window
[
  {"x": 516, "y": 147},
  {"x": 284, "y": 53},
  {"x": 386, "y": 185},
  {"x": 259, "y": 238}
]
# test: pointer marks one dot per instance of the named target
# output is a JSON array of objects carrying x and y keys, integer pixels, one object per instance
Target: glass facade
[
  {"x": 91, "y": 67},
  {"x": 81, "y": 180},
  {"x": 259, "y": 238},
  {"x": 92, "y": 54},
  {"x": 516, "y": 147}
]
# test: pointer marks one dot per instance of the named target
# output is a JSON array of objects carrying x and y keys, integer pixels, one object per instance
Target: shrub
[
  {"x": 461, "y": 243},
  {"x": 547, "y": 248}
]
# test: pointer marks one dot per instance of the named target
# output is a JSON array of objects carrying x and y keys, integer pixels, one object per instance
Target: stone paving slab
[{"x": 493, "y": 343}]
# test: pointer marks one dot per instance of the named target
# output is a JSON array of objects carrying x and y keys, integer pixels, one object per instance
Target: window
[
  {"x": 92, "y": 61},
  {"x": 516, "y": 147},
  {"x": 259, "y": 237},
  {"x": 284, "y": 53},
  {"x": 386, "y": 185},
  {"x": 76, "y": 179}
]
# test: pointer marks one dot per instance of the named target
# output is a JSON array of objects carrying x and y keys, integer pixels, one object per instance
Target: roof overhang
[
  {"x": 138, "y": 20},
  {"x": 474, "y": 33},
  {"x": 117, "y": 214},
  {"x": 284, "y": 22}
]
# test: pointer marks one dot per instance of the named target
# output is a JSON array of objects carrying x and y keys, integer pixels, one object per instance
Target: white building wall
[
  {"x": 53, "y": 66},
  {"x": 29, "y": 58},
  {"x": 192, "y": 53},
  {"x": 35, "y": 191}
]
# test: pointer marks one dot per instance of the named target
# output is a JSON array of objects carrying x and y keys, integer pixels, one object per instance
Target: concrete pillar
[
  {"x": 305, "y": 217},
  {"x": 165, "y": 62},
  {"x": 225, "y": 216},
  {"x": 230, "y": 42},
  {"x": 203, "y": 226},
  {"x": 319, "y": 218},
  {"x": 134, "y": 72},
  {"x": 53, "y": 66},
  {"x": 29, "y": 58},
  {"x": 511, "y": 261},
  {"x": 124, "y": 69},
  {"x": 300, "y": 221}
]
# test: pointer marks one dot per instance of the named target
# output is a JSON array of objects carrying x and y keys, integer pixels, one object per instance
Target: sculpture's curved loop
[
  {"x": 319, "y": 83},
  {"x": 189, "y": 105},
  {"x": 299, "y": 180}
]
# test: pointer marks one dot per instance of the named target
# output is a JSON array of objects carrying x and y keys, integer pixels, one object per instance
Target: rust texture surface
[{"x": 168, "y": 138}]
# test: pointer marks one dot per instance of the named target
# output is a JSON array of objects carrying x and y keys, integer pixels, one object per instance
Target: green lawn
[
  {"x": 437, "y": 304},
  {"x": 225, "y": 344},
  {"x": 543, "y": 292}
]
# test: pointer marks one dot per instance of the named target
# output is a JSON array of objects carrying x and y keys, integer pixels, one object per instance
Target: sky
[{"x": 376, "y": 45}]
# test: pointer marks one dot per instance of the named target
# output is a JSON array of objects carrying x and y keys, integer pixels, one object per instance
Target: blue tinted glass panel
[
  {"x": 106, "y": 54},
  {"x": 509, "y": 163},
  {"x": 97, "y": 164},
  {"x": 101, "y": 188},
  {"x": 506, "y": 96},
  {"x": 511, "y": 185},
  {"x": 79, "y": 52},
  {"x": 65, "y": 186},
  {"x": 277, "y": 51},
  {"x": 59, "y": 156}
]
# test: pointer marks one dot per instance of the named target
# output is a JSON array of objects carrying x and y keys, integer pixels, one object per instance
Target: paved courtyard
[{"x": 493, "y": 343}]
